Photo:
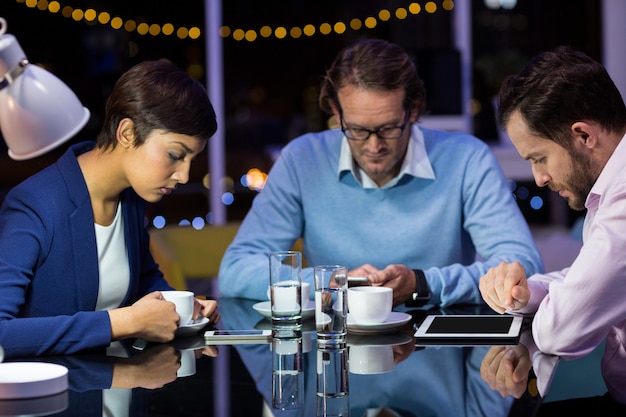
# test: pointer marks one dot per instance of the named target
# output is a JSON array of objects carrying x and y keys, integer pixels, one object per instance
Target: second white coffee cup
[
  {"x": 184, "y": 302},
  {"x": 370, "y": 305}
]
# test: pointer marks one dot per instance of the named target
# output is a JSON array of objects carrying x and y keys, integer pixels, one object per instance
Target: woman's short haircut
[{"x": 157, "y": 95}]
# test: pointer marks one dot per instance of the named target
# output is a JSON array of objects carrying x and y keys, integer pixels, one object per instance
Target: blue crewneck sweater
[{"x": 454, "y": 227}]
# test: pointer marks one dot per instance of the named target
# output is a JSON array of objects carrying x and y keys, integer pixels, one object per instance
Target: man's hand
[
  {"x": 504, "y": 287},
  {"x": 397, "y": 277}
]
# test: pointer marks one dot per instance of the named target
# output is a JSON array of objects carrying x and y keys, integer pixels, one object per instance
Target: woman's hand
[
  {"x": 151, "y": 318},
  {"x": 206, "y": 308}
]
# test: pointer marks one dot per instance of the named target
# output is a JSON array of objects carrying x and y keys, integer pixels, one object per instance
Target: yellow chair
[{"x": 183, "y": 252}]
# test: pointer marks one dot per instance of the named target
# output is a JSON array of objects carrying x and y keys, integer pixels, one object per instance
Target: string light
[{"x": 239, "y": 34}]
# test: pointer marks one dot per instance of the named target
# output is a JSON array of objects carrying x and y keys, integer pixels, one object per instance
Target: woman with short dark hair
[{"x": 76, "y": 272}]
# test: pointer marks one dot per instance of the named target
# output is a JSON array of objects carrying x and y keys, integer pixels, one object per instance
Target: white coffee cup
[
  {"x": 184, "y": 302},
  {"x": 187, "y": 363},
  {"x": 284, "y": 296},
  {"x": 370, "y": 305},
  {"x": 367, "y": 360}
]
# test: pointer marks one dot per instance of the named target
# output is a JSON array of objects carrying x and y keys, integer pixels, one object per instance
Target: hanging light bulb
[{"x": 38, "y": 112}]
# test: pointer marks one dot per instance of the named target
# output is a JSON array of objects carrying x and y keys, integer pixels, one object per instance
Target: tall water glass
[
  {"x": 331, "y": 304},
  {"x": 285, "y": 288}
]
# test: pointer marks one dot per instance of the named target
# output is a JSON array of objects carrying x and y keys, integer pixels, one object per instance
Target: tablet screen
[
  {"x": 471, "y": 324},
  {"x": 469, "y": 330}
]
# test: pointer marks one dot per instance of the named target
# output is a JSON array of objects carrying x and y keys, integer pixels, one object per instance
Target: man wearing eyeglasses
[{"x": 424, "y": 212}]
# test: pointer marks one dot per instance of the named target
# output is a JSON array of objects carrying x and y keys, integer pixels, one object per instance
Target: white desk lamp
[{"x": 38, "y": 112}]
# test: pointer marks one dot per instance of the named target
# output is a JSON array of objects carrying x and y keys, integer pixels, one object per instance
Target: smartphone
[
  {"x": 358, "y": 281},
  {"x": 232, "y": 337}
]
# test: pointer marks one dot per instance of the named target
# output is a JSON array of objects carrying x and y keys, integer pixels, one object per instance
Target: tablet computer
[{"x": 467, "y": 330}]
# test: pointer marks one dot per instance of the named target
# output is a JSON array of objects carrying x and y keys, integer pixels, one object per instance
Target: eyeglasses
[{"x": 385, "y": 132}]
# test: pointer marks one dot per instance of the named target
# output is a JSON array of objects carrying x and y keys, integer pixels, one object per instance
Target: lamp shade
[{"x": 38, "y": 112}]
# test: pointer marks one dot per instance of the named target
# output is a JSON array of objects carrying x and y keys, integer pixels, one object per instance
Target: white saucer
[
  {"x": 264, "y": 308},
  {"x": 394, "y": 321},
  {"x": 193, "y": 328},
  {"x": 31, "y": 379}
]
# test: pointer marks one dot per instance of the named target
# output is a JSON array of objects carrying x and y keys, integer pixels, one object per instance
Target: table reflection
[
  {"x": 373, "y": 375},
  {"x": 438, "y": 381},
  {"x": 332, "y": 388},
  {"x": 35, "y": 406},
  {"x": 521, "y": 371},
  {"x": 287, "y": 373}
]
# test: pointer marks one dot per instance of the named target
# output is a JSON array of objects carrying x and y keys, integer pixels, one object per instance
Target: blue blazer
[{"x": 49, "y": 262}]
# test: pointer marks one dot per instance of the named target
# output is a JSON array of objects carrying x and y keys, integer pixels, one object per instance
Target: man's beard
[{"x": 579, "y": 181}]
